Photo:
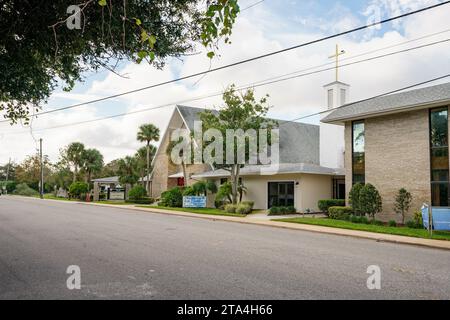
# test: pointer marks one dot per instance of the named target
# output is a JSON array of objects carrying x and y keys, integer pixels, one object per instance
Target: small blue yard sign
[{"x": 194, "y": 202}]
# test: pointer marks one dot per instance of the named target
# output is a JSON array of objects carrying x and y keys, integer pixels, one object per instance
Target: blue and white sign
[{"x": 194, "y": 202}]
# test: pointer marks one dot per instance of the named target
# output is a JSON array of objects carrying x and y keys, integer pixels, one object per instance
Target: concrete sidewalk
[{"x": 262, "y": 220}]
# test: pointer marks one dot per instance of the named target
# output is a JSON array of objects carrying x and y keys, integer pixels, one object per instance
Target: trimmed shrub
[
  {"x": 377, "y": 223},
  {"x": 355, "y": 219},
  {"x": 23, "y": 189},
  {"x": 274, "y": 211},
  {"x": 291, "y": 210},
  {"x": 77, "y": 189},
  {"x": 354, "y": 198},
  {"x": 137, "y": 193},
  {"x": 392, "y": 223},
  {"x": 231, "y": 208},
  {"x": 141, "y": 201},
  {"x": 370, "y": 200},
  {"x": 251, "y": 204},
  {"x": 172, "y": 198},
  {"x": 324, "y": 205},
  {"x": 413, "y": 225},
  {"x": 364, "y": 220},
  {"x": 243, "y": 209},
  {"x": 340, "y": 213}
]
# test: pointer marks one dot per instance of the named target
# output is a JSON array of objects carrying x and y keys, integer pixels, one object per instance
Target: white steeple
[{"x": 332, "y": 138}]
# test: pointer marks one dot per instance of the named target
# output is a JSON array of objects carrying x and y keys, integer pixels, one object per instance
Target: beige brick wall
[{"x": 397, "y": 156}]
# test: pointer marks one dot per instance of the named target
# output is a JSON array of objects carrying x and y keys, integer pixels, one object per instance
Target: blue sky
[{"x": 269, "y": 26}]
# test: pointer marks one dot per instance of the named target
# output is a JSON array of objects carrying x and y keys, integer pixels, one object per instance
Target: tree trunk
[
  {"x": 234, "y": 183},
  {"x": 183, "y": 165},
  {"x": 75, "y": 172},
  {"x": 148, "y": 169}
]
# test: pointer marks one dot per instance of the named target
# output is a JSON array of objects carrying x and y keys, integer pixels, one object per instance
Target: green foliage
[
  {"x": 189, "y": 192},
  {"x": 77, "y": 189},
  {"x": 274, "y": 211},
  {"x": 128, "y": 171},
  {"x": 231, "y": 208},
  {"x": 211, "y": 186},
  {"x": 172, "y": 198},
  {"x": 251, "y": 204},
  {"x": 137, "y": 193},
  {"x": 36, "y": 54},
  {"x": 92, "y": 162},
  {"x": 392, "y": 223},
  {"x": 74, "y": 154},
  {"x": 141, "y": 201},
  {"x": 340, "y": 213},
  {"x": 324, "y": 205},
  {"x": 10, "y": 186},
  {"x": 199, "y": 188},
  {"x": 23, "y": 189},
  {"x": 241, "y": 111},
  {"x": 224, "y": 194},
  {"x": 370, "y": 201},
  {"x": 402, "y": 203},
  {"x": 418, "y": 219},
  {"x": 377, "y": 222},
  {"x": 354, "y": 198},
  {"x": 243, "y": 209}
]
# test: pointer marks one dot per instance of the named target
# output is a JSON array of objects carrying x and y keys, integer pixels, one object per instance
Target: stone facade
[
  {"x": 163, "y": 168},
  {"x": 397, "y": 155}
]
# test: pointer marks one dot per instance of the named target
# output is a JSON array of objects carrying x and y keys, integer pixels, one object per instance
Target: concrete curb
[{"x": 379, "y": 237}]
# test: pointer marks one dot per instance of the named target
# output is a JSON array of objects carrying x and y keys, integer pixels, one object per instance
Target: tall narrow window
[
  {"x": 343, "y": 97},
  {"x": 359, "y": 161},
  {"x": 439, "y": 157},
  {"x": 330, "y": 99}
]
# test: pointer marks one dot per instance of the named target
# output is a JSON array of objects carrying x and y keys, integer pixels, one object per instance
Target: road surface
[{"x": 126, "y": 254}]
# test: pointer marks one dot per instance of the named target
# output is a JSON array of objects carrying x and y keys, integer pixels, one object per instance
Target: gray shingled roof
[
  {"x": 299, "y": 142},
  {"x": 284, "y": 168},
  {"x": 394, "y": 103}
]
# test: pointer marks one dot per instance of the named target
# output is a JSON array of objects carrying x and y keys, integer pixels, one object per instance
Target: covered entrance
[{"x": 281, "y": 194}]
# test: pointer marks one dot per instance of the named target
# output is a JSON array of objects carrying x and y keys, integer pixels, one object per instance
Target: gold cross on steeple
[{"x": 337, "y": 55}]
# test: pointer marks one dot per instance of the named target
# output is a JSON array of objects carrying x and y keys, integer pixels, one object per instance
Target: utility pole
[{"x": 41, "y": 185}]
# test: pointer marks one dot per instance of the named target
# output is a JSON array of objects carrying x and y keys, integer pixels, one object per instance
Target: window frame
[
  {"x": 433, "y": 183},
  {"x": 353, "y": 151}
]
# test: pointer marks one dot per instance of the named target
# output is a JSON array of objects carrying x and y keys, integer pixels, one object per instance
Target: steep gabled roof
[
  {"x": 299, "y": 142},
  {"x": 394, "y": 103}
]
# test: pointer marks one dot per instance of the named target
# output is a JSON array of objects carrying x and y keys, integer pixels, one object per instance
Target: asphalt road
[{"x": 136, "y": 255}]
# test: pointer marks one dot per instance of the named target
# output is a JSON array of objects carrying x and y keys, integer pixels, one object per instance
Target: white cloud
[{"x": 291, "y": 99}]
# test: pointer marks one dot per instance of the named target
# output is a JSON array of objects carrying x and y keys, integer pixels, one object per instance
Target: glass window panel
[
  {"x": 439, "y": 128},
  {"x": 358, "y": 152},
  {"x": 439, "y": 194}
]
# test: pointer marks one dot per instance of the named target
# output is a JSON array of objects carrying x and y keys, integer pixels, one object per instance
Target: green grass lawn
[
  {"x": 400, "y": 231},
  {"x": 214, "y": 212}
]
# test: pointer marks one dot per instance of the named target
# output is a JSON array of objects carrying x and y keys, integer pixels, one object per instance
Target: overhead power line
[
  {"x": 242, "y": 87},
  {"x": 248, "y": 60},
  {"x": 374, "y": 97}
]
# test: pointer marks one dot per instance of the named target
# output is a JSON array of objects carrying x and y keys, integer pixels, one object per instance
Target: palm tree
[
  {"x": 148, "y": 133},
  {"x": 92, "y": 162},
  {"x": 128, "y": 171},
  {"x": 141, "y": 157},
  {"x": 74, "y": 154}
]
